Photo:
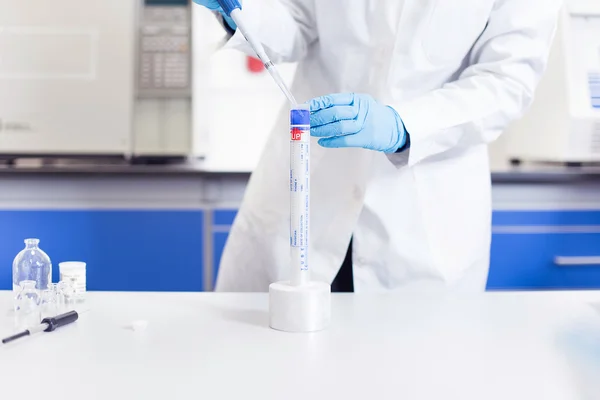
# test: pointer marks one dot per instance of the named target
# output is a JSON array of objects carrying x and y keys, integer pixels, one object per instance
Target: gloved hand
[
  {"x": 210, "y": 4},
  {"x": 214, "y": 6},
  {"x": 356, "y": 120}
]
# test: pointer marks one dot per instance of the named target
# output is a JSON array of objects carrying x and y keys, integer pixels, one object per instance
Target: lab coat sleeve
[
  {"x": 285, "y": 27},
  {"x": 506, "y": 64}
]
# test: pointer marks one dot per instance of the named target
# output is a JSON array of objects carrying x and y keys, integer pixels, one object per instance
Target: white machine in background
[
  {"x": 563, "y": 124},
  {"x": 65, "y": 76},
  {"x": 162, "y": 123},
  {"x": 95, "y": 78}
]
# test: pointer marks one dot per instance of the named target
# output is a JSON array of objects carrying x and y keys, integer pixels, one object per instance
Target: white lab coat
[{"x": 457, "y": 72}]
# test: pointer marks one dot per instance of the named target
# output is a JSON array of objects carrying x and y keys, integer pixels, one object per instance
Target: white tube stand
[{"x": 304, "y": 308}]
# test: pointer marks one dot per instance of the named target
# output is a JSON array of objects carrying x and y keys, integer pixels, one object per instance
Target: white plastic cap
[
  {"x": 71, "y": 265},
  {"x": 138, "y": 325}
]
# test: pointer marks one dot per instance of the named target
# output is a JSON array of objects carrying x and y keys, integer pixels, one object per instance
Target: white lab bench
[{"x": 379, "y": 346}]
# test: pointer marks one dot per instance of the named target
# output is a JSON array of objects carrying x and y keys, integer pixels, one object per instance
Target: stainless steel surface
[
  {"x": 517, "y": 175},
  {"x": 546, "y": 174},
  {"x": 109, "y": 169},
  {"x": 577, "y": 261}
]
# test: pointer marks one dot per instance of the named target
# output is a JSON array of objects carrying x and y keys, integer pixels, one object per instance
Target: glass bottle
[
  {"x": 32, "y": 264},
  {"x": 67, "y": 295},
  {"x": 50, "y": 302},
  {"x": 27, "y": 305}
]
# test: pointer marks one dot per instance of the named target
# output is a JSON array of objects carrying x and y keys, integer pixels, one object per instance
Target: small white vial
[{"x": 74, "y": 272}]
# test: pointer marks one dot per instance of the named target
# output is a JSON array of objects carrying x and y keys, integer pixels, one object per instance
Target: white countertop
[{"x": 395, "y": 346}]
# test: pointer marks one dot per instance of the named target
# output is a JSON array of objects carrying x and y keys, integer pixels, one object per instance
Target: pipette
[
  {"x": 233, "y": 9},
  {"x": 47, "y": 325}
]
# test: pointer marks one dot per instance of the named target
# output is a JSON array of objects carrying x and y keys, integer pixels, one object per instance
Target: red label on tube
[{"x": 297, "y": 134}]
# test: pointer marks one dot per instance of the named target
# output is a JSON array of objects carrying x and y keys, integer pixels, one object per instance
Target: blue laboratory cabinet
[
  {"x": 125, "y": 250},
  {"x": 166, "y": 250},
  {"x": 545, "y": 250},
  {"x": 531, "y": 250}
]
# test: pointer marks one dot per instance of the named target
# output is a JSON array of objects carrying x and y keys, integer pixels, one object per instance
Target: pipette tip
[{"x": 279, "y": 81}]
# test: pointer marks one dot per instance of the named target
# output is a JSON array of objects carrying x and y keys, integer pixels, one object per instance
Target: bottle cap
[
  {"x": 300, "y": 115},
  {"x": 72, "y": 266}
]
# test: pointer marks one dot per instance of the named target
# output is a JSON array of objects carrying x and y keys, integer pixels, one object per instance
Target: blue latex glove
[
  {"x": 214, "y": 6},
  {"x": 210, "y": 4},
  {"x": 356, "y": 120}
]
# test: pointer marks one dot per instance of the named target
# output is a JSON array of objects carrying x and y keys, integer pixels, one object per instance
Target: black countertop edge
[
  {"x": 545, "y": 177},
  {"x": 118, "y": 170},
  {"x": 529, "y": 176}
]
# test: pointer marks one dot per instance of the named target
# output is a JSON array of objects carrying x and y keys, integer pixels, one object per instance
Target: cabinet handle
[{"x": 577, "y": 261}]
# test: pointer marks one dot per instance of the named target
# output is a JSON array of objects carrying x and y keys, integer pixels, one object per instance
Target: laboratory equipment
[
  {"x": 50, "y": 304},
  {"x": 66, "y": 77},
  {"x": 75, "y": 273},
  {"x": 299, "y": 305},
  {"x": 46, "y": 325},
  {"x": 233, "y": 9},
  {"x": 163, "y": 106},
  {"x": 299, "y": 193},
  {"x": 32, "y": 264},
  {"x": 66, "y": 295},
  {"x": 563, "y": 123},
  {"x": 95, "y": 78},
  {"x": 27, "y": 305}
]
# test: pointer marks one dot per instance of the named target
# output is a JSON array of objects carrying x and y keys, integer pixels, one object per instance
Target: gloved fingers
[
  {"x": 343, "y": 141},
  {"x": 330, "y": 100},
  {"x": 335, "y": 129},
  {"x": 210, "y": 4},
  {"x": 333, "y": 114}
]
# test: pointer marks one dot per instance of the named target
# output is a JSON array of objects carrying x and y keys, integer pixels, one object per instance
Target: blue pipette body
[{"x": 229, "y": 5}]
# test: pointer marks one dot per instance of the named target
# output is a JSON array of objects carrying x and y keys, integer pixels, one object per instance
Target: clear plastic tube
[{"x": 299, "y": 193}]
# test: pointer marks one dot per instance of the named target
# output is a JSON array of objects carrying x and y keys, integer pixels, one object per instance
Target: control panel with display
[{"x": 165, "y": 49}]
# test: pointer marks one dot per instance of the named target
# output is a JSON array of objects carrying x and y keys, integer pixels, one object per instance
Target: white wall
[{"x": 499, "y": 153}]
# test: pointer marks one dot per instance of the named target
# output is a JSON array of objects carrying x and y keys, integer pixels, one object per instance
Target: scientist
[{"x": 406, "y": 95}]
